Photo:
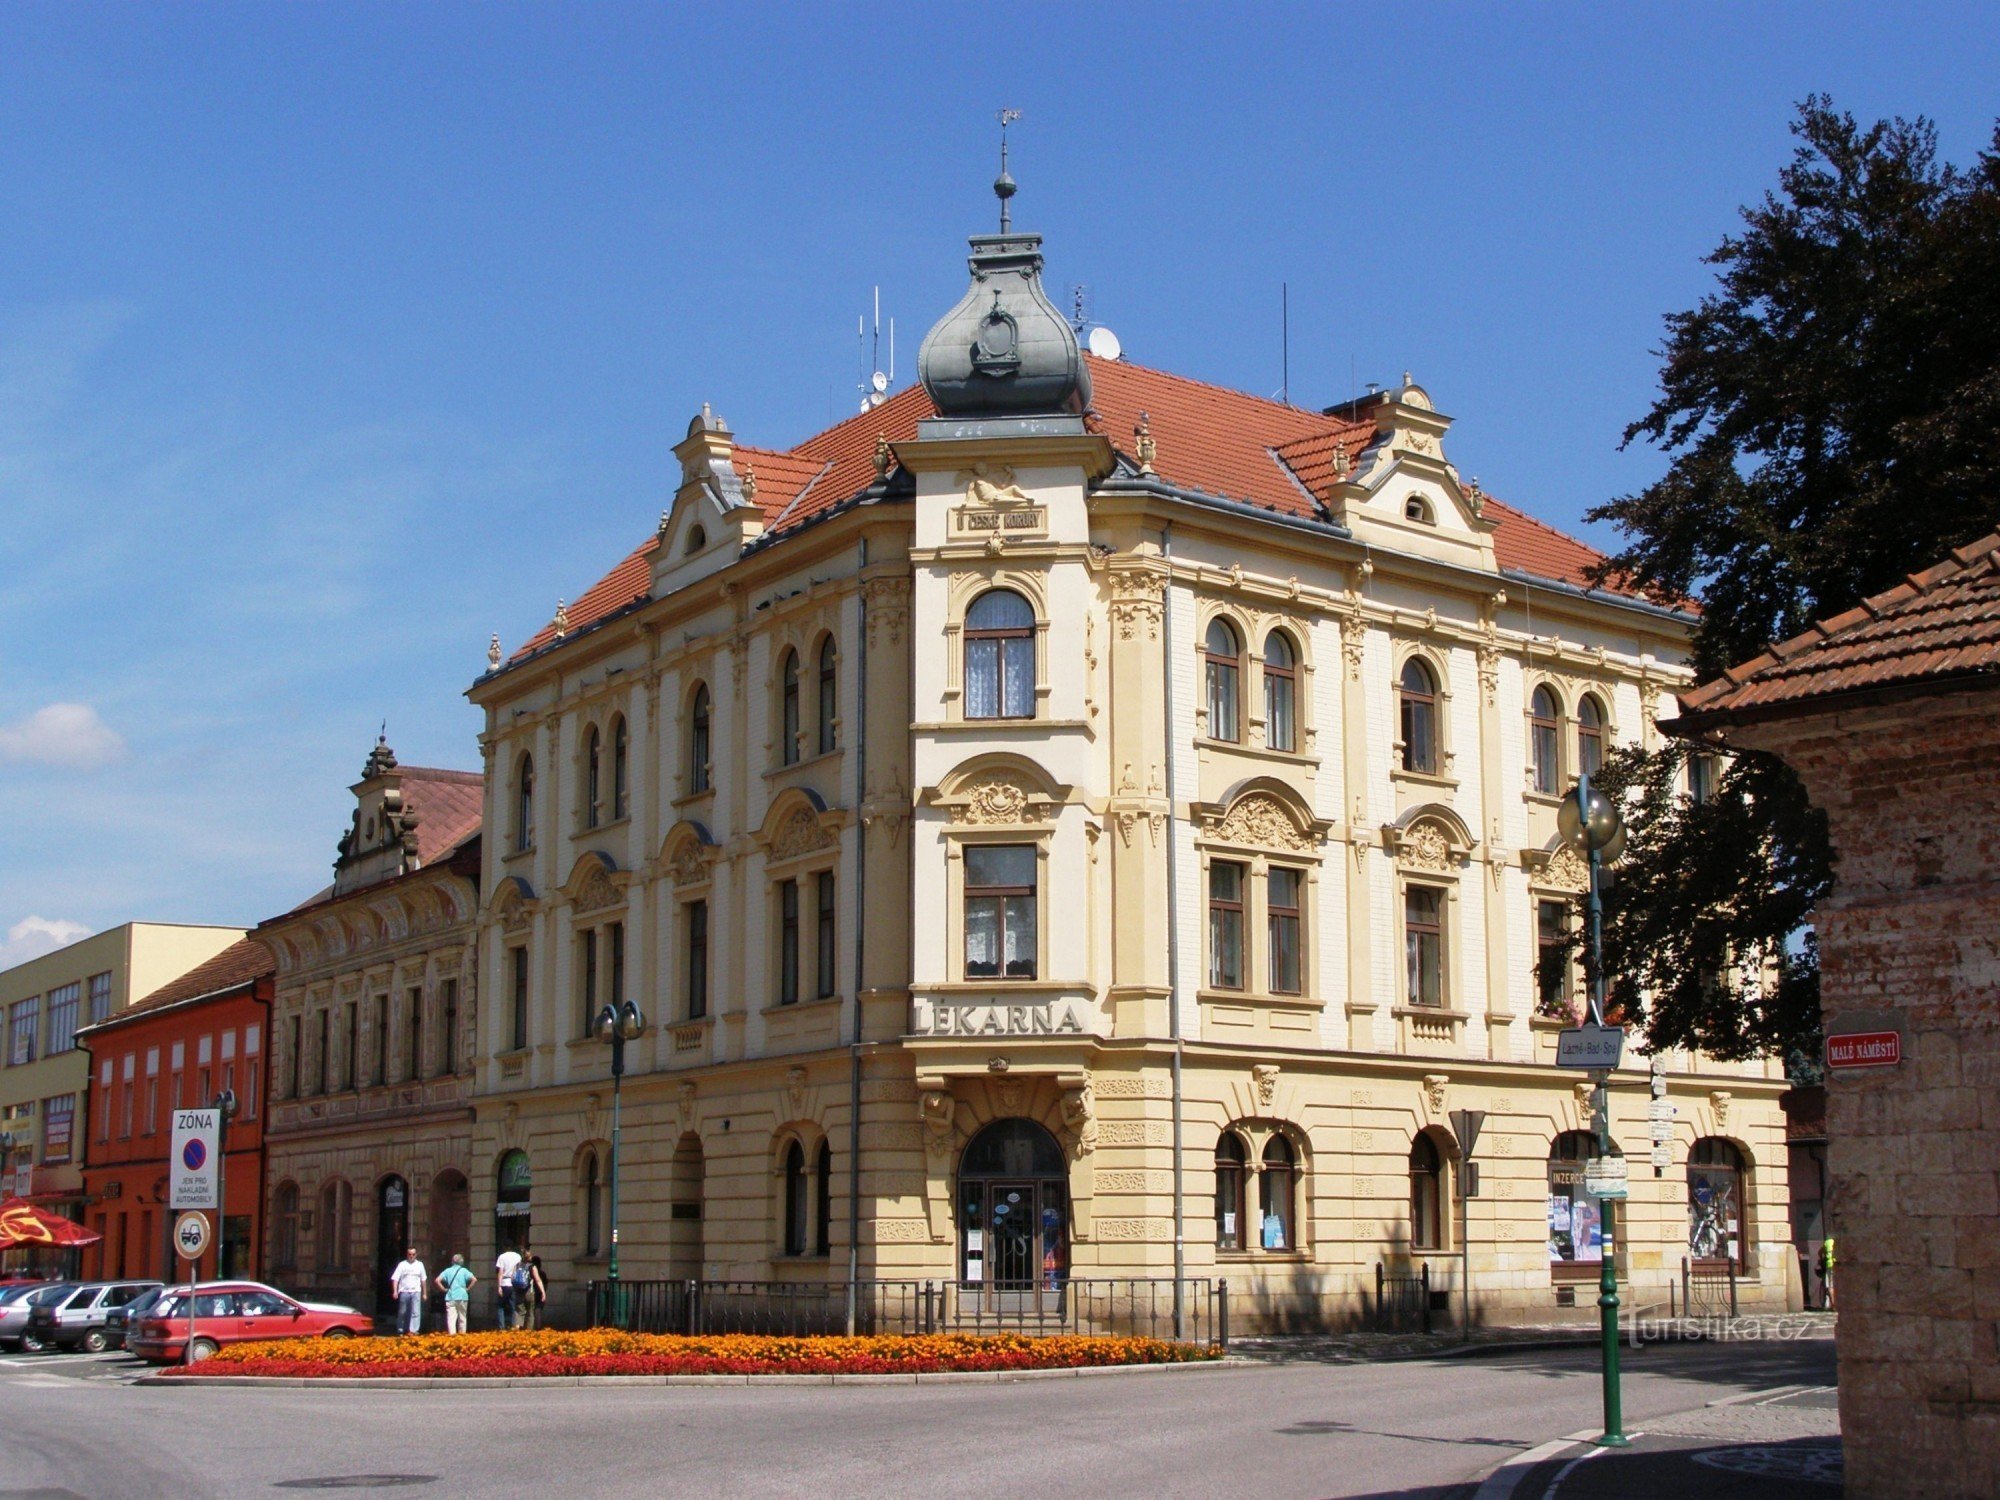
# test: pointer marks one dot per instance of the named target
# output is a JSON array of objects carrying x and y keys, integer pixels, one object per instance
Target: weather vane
[{"x": 1003, "y": 185}]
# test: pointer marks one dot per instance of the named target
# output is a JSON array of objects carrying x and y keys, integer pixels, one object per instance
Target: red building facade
[{"x": 180, "y": 1047}]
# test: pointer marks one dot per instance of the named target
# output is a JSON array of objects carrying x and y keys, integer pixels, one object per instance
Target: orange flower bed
[{"x": 603, "y": 1351}]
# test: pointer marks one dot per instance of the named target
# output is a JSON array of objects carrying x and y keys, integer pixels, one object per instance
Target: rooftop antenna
[
  {"x": 1003, "y": 185},
  {"x": 873, "y": 384},
  {"x": 1285, "y": 341}
]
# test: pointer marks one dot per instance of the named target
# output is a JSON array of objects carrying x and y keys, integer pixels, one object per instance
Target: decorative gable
[{"x": 714, "y": 515}]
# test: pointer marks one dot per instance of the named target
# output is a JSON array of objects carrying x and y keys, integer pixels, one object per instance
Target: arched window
[
  {"x": 1716, "y": 1206},
  {"x": 1418, "y": 509},
  {"x": 592, "y": 1185},
  {"x": 788, "y": 716},
  {"x": 1000, "y": 657},
  {"x": 1231, "y": 1172},
  {"x": 285, "y": 1232},
  {"x": 524, "y": 804},
  {"x": 1576, "y": 1225},
  {"x": 1589, "y": 736},
  {"x": 823, "y": 1170},
  {"x": 1426, "y": 1194},
  {"x": 1277, "y": 1190},
  {"x": 698, "y": 756},
  {"x": 1013, "y": 1210},
  {"x": 1544, "y": 716},
  {"x": 1281, "y": 692},
  {"x": 1418, "y": 717},
  {"x": 798, "y": 1203},
  {"x": 593, "y": 779},
  {"x": 1221, "y": 658},
  {"x": 829, "y": 696},
  {"x": 697, "y": 539},
  {"x": 514, "y": 1186},
  {"x": 621, "y": 769}
]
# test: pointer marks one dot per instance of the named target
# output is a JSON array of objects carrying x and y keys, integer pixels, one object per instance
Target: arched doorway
[
  {"x": 510, "y": 1203},
  {"x": 1013, "y": 1198},
  {"x": 392, "y": 1237},
  {"x": 684, "y": 1245},
  {"x": 451, "y": 1218}
]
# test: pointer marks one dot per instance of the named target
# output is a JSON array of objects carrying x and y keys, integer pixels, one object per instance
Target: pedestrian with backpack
[
  {"x": 455, "y": 1281},
  {"x": 529, "y": 1293}
]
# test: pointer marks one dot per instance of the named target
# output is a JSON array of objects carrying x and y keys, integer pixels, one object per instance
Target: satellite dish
[
  {"x": 1104, "y": 344},
  {"x": 879, "y": 382}
]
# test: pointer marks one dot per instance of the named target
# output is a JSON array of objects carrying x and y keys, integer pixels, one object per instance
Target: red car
[{"x": 233, "y": 1312}]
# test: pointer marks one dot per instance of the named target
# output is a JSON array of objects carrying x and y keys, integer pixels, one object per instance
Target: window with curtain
[
  {"x": 621, "y": 769},
  {"x": 829, "y": 695},
  {"x": 1231, "y": 1172},
  {"x": 1423, "y": 938},
  {"x": 788, "y": 714},
  {"x": 1277, "y": 1190},
  {"x": 1544, "y": 730},
  {"x": 1225, "y": 924},
  {"x": 1589, "y": 736},
  {"x": 1282, "y": 887},
  {"x": 1417, "y": 718},
  {"x": 65, "y": 1000},
  {"x": 698, "y": 756},
  {"x": 1222, "y": 666},
  {"x": 1552, "y": 966},
  {"x": 1701, "y": 778},
  {"x": 788, "y": 942},
  {"x": 1281, "y": 692},
  {"x": 1000, "y": 918},
  {"x": 1000, "y": 657},
  {"x": 593, "y": 778},
  {"x": 524, "y": 804},
  {"x": 1426, "y": 1195},
  {"x": 826, "y": 980}
]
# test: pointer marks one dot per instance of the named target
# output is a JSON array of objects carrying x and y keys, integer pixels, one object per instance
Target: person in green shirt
[
  {"x": 1826, "y": 1271},
  {"x": 455, "y": 1281}
]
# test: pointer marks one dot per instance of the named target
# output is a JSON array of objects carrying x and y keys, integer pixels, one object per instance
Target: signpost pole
[{"x": 1613, "y": 1435}]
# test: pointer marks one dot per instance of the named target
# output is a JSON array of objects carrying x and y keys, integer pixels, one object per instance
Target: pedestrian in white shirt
[
  {"x": 503, "y": 1272},
  {"x": 407, "y": 1282}
]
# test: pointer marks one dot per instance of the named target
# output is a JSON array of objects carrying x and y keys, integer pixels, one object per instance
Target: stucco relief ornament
[
  {"x": 937, "y": 1108},
  {"x": 1489, "y": 671},
  {"x": 597, "y": 892},
  {"x": 994, "y": 802},
  {"x": 1434, "y": 1090},
  {"x": 1264, "y": 1082},
  {"x": 1262, "y": 821},
  {"x": 688, "y": 864},
  {"x": 1566, "y": 869},
  {"x": 799, "y": 834},
  {"x": 1135, "y": 605},
  {"x": 992, "y": 486},
  {"x": 684, "y": 1106},
  {"x": 1718, "y": 1100},
  {"x": 1010, "y": 1094},
  {"x": 1080, "y": 1120},
  {"x": 1425, "y": 847},
  {"x": 795, "y": 1090},
  {"x": 1352, "y": 642}
]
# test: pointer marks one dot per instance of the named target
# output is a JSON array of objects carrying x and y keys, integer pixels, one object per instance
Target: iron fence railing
[
  {"x": 1145, "y": 1307},
  {"x": 1403, "y": 1299},
  {"x": 1708, "y": 1288}
]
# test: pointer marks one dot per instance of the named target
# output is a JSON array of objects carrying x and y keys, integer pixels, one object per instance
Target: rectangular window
[
  {"x": 64, "y": 1002},
  {"x": 24, "y": 1021},
  {"x": 1000, "y": 919},
  {"x": 298, "y": 1057},
  {"x": 518, "y": 958},
  {"x": 1552, "y": 988},
  {"x": 100, "y": 997},
  {"x": 58, "y": 1126},
  {"x": 1225, "y": 925},
  {"x": 252, "y": 1087},
  {"x": 413, "y": 1064},
  {"x": 448, "y": 1025},
  {"x": 348, "y": 1074},
  {"x": 587, "y": 991},
  {"x": 151, "y": 1119},
  {"x": 125, "y": 1091},
  {"x": 1423, "y": 938},
  {"x": 1283, "y": 922},
  {"x": 103, "y": 1097},
  {"x": 823, "y": 968},
  {"x": 788, "y": 942},
  {"x": 614, "y": 993},
  {"x": 1701, "y": 778},
  {"x": 697, "y": 960},
  {"x": 381, "y": 1060},
  {"x": 202, "y": 1095}
]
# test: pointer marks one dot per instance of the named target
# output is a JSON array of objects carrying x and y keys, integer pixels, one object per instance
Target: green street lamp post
[
  {"x": 1589, "y": 820},
  {"x": 617, "y": 1025}
]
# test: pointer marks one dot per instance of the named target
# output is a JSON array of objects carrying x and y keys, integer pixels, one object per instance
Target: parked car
[
  {"x": 232, "y": 1312},
  {"x": 120, "y": 1320},
  {"x": 77, "y": 1321},
  {"x": 18, "y": 1301}
]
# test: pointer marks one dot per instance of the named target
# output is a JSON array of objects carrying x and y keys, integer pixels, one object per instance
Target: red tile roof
[
  {"x": 1940, "y": 626},
  {"x": 449, "y": 805},
  {"x": 1211, "y": 439},
  {"x": 236, "y": 967}
]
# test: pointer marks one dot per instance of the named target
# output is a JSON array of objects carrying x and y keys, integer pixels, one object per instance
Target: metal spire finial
[{"x": 1003, "y": 185}]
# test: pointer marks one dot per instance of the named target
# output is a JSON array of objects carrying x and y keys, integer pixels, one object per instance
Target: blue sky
[{"x": 334, "y": 337}]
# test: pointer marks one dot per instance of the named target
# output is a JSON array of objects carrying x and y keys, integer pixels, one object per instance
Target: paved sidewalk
[
  {"x": 1775, "y": 1445},
  {"x": 1359, "y": 1348}
]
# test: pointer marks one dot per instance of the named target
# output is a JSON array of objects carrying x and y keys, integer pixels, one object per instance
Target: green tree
[{"x": 1831, "y": 413}]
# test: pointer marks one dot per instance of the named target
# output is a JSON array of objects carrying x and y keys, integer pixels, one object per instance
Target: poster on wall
[{"x": 1587, "y": 1229}]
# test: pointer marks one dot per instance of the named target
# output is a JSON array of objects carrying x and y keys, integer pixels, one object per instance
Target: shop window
[
  {"x": 514, "y": 1184},
  {"x": 1544, "y": 740},
  {"x": 1000, "y": 917},
  {"x": 788, "y": 710},
  {"x": 1423, "y": 939},
  {"x": 1277, "y": 1191},
  {"x": 1281, "y": 692},
  {"x": 1282, "y": 919},
  {"x": 1231, "y": 1173},
  {"x": 1716, "y": 1209},
  {"x": 829, "y": 695},
  {"x": 1417, "y": 717},
  {"x": 1000, "y": 657},
  {"x": 1225, "y": 925},
  {"x": 1589, "y": 736},
  {"x": 698, "y": 731},
  {"x": 1222, "y": 666},
  {"x": 524, "y": 804},
  {"x": 1552, "y": 959},
  {"x": 1426, "y": 1194},
  {"x": 1576, "y": 1223}
]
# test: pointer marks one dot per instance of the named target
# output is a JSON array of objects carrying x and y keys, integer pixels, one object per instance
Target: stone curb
[{"x": 504, "y": 1382}]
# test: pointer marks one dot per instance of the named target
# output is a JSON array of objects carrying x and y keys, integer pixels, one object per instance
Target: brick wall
[{"x": 1910, "y": 941}]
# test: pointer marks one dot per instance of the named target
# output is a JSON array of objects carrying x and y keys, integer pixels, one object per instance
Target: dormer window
[
  {"x": 1418, "y": 509},
  {"x": 697, "y": 539}
]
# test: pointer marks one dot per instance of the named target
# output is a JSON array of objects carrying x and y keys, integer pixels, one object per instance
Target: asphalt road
[{"x": 72, "y": 1427}]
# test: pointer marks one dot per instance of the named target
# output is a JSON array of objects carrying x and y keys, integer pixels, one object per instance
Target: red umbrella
[{"x": 21, "y": 1223}]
